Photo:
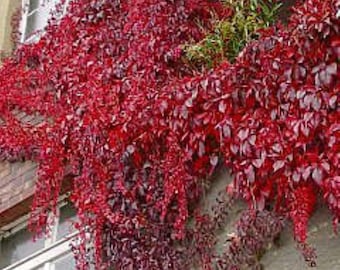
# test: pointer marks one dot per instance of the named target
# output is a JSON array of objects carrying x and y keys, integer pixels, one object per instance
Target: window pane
[
  {"x": 39, "y": 12},
  {"x": 66, "y": 219},
  {"x": 66, "y": 263},
  {"x": 17, "y": 247},
  {"x": 31, "y": 25},
  {"x": 33, "y": 4}
]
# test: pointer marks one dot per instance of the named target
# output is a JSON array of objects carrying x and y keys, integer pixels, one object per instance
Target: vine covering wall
[{"x": 141, "y": 129}]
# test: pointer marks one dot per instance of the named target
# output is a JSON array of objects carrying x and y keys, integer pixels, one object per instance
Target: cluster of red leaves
[
  {"x": 138, "y": 129},
  {"x": 254, "y": 232}
]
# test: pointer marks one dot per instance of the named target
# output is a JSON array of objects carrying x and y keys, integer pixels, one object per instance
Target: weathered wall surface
[
  {"x": 16, "y": 179},
  {"x": 284, "y": 255},
  {"x": 7, "y": 7},
  {"x": 321, "y": 236},
  {"x": 17, "y": 182}
]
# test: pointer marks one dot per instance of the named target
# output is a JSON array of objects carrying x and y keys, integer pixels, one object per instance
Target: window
[
  {"x": 19, "y": 252},
  {"x": 36, "y": 14}
]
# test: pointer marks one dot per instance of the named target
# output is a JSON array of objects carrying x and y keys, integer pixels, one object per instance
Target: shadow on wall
[
  {"x": 284, "y": 254},
  {"x": 285, "y": 10},
  {"x": 320, "y": 236}
]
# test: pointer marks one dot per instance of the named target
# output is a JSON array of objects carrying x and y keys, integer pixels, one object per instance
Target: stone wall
[
  {"x": 283, "y": 255},
  {"x": 7, "y": 8},
  {"x": 16, "y": 179}
]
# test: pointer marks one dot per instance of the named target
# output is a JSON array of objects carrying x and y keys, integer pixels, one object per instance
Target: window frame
[
  {"x": 45, "y": 257},
  {"x": 26, "y": 13},
  {"x": 53, "y": 249}
]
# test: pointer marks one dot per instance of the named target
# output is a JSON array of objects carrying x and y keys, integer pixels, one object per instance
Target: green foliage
[{"x": 231, "y": 34}]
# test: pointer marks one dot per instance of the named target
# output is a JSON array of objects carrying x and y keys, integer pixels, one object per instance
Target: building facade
[{"x": 19, "y": 252}]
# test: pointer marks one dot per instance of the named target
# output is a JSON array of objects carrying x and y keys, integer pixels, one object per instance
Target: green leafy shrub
[{"x": 230, "y": 35}]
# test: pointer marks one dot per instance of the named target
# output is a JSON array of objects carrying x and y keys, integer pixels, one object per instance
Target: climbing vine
[{"x": 124, "y": 114}]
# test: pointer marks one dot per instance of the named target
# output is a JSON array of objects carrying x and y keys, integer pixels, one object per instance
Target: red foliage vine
[
  {"x": 255, "y": 230},
  {"x": 138, "y": 129}
]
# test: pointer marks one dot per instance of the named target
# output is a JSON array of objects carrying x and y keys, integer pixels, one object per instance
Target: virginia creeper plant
[{"x": 138, "y": 129}]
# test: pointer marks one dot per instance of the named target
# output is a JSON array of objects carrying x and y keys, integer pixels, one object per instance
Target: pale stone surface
[
  {"x": 7, "y": 7},
  {"x": 16, "y": 182},
  {"x": 285, "y": 256},
  {"x": 321, "y": 236}
]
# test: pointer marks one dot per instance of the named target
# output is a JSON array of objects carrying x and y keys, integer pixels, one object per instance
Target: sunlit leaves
[{"x": 138, "y": 128}]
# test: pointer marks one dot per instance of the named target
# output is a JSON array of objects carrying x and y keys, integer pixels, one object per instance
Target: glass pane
[
  {"x": 17, "y": 247},
  {"x": 66, "y": 219},
  {"x": 33, "y": 4},
  {"x": 31, "y": 25},
  {"x": 66, "y": 263}
]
